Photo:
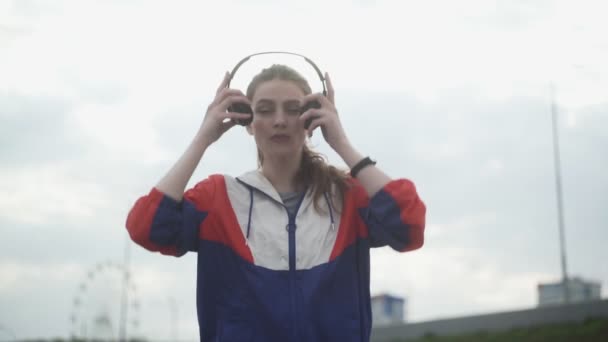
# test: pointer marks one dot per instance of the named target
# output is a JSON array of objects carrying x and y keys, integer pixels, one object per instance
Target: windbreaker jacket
[{"x": 265, "y": 275}]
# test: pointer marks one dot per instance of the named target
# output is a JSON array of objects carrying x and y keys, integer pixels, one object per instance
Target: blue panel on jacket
[
  {"x": 187, "y": 220},
  {"x": 238, "y": 301},
  {"x": 393, "y": 232}
]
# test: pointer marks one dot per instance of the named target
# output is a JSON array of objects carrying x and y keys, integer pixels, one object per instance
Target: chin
[{"x": 286, "y": 152}]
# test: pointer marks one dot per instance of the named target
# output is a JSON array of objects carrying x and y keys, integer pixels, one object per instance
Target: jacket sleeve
[
  {"x": 395, "y": 216},
  {"x": 159, "y": 223}
]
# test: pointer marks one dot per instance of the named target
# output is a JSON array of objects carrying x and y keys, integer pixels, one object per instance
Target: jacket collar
[{"x": 258, "y": 181}]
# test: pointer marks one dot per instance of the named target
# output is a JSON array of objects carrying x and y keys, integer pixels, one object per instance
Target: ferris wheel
[{"x": 105, "y": 305}]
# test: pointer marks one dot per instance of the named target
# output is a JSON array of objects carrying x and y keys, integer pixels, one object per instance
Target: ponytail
[{"x": 322, "y": 177}]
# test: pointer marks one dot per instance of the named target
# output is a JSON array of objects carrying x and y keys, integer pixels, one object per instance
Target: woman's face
[{"x": 275, "y": 126}]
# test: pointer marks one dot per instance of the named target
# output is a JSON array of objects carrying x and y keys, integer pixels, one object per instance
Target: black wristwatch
[{"x": 360, "y": 165}]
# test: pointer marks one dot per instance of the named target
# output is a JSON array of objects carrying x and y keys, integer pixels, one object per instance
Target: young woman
[{"x": 283, "y": 250}]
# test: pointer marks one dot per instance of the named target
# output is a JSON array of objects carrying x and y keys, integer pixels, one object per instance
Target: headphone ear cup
[{"x": 240, "y": 107}]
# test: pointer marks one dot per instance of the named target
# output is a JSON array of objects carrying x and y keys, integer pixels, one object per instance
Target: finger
[
  {"x": 226, "y": 125},
  {"x": 227, "y": 92},
  {"x": 310, "y": 97},
  {"x": 235, "y": 116},
  {"x": 232, "y": 99},
  {"x": 317, "y": 122},
  {"x": 224, "y": 93},
  {"x": 224, "y": 82},
  {"x": 322, "y": 99},
  {"x": 310, "y": 114},
  {"x": 330, "y": 89}
]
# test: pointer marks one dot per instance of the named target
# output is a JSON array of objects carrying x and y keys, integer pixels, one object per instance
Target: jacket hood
[{"x": 256, "y": 181}]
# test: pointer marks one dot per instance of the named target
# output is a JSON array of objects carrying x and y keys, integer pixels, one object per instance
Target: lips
[{"x": 280, "y": 137}]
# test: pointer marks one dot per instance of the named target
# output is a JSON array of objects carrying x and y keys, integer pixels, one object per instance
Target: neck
[{"x": 281, "y": 172}]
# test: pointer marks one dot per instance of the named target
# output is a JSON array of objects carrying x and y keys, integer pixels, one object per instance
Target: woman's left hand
[{"x": 325, "y": 117}]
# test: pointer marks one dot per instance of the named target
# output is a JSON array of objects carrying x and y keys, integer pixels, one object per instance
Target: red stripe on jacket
[
  {"x": 139, "y": 222},
  {"x": 210, "y": 196},
  {"x": 352, "y": 226},
  {"x": 413, "y": 211},
  {"x": 221, "y": 225}
]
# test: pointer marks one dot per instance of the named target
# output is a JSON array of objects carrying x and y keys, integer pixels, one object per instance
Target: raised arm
[
  {"x": 391, "y": 209},
  {"x": 214, "y": 125},
  {"x": 165, "y": 221}
]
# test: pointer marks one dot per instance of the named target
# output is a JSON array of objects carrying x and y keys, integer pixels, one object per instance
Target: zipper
[
  {"x": 295, "y": 310},
  {"x": 291, "y": 231}
]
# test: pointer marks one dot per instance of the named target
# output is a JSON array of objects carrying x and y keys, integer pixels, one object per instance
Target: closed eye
[
  {"x": 263, "y": 110},
  {"x": 293, "y": 110}
]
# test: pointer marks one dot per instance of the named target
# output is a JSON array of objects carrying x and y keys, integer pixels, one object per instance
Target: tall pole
[
  {"x": 558, "y": 188},
  {"x": 124, "y": 300}
]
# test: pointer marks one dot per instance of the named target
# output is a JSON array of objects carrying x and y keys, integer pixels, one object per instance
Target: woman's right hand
[{"x": 218, "y": 120}]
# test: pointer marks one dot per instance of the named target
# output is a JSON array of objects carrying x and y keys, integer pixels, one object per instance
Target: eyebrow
[{"x": 268, "y": 101}]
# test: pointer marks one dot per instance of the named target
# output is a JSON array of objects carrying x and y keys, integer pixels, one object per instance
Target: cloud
[
  {"x": 452, "y": 281},
  {"x": 23, "y": 292},
  {"x": 35, "y": 130},
  {"x": 47, "y": 194}
]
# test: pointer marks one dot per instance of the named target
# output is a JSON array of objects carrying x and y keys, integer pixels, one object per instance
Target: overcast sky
[{"x": 99, "y": 98}]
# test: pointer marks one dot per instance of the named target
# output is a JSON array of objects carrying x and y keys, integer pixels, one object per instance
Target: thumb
[{"x": 225, "y": 126}]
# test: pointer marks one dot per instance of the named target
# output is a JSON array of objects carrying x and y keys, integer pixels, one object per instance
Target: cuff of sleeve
[{"x": 164, "y": 200}]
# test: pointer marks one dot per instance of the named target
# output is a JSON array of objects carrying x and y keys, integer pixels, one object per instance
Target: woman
[{"x": 283, "y": 251}]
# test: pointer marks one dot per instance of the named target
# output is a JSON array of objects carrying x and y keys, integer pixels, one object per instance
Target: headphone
[{"x": 244, "y": 108}]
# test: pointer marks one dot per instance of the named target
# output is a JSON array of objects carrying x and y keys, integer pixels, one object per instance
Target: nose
[{"x": 280, "y": 118}]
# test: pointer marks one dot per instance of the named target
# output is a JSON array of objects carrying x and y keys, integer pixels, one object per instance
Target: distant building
[
  {"x": 579, "y": 291},
  {"x": 387, "y": 309}
]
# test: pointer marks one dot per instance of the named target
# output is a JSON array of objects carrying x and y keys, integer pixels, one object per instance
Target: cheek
[
  {"x": 259, "y": 127},
  {"x": 301, "y": 134},
  {"x": 300, "y": 138}
]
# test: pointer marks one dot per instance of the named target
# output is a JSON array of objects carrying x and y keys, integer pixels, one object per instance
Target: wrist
[
  {"x": 348, "y": 153},
  {"x": 201, "y": 140},
  {"x": 360, "y": 165}
]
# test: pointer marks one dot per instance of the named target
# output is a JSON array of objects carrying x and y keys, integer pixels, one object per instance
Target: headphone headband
[{"x": 319, "y": 73}]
